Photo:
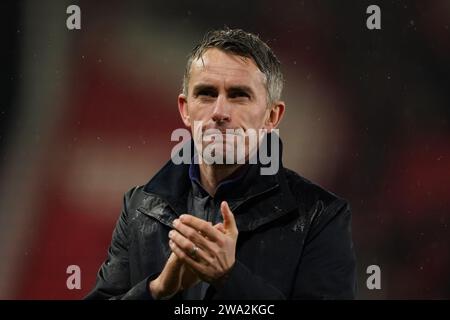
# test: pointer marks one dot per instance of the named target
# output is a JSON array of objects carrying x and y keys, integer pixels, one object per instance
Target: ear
[
  {"x": 183, "y": 109},
  {"x": 275, "y": 115}
]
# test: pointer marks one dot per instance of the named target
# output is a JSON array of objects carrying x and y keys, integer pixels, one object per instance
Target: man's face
[{"x": 226, "y": 91}]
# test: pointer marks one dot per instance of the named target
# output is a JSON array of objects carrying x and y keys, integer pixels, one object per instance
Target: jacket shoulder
[
  {"x": 310, "y": 195},
  {"x": 321, "y": 208},
  {"x": 133, "y": 198}
]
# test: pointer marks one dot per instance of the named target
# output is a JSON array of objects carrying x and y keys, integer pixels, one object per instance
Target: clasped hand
[{"x": 200, "y": 251}]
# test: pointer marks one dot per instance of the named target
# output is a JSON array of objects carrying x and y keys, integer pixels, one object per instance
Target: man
[{"x": 220, "y": 230}]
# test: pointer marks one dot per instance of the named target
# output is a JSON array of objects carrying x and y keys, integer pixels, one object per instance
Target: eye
[{"x": 238, "y": 94}]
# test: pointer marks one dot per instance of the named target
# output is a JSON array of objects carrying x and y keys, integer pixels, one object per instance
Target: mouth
[{"x": 223, "y": 132}]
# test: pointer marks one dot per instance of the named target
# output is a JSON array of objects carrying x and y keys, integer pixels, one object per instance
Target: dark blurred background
[{"x": 87, "y": 114}]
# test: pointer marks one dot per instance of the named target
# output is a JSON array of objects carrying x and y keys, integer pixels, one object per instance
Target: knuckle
[
  {"x": 205, "y": 225},
  {"x": 220, "y": 242},
  {"x": 185, "y": 245},
  {"x": 190, "y": 233}
]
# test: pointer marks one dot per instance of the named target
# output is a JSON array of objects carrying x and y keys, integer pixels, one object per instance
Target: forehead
[{"x": 217, "y": 67}]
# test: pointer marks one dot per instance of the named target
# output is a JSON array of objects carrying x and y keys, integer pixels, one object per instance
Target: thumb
[
  {"x": 174, "y": 261},
  {"x": 228, "y": 219}
]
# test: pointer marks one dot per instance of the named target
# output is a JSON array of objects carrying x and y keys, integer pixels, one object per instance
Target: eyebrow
[
  {"x": 200, "y": 87},
  {"x": 242, "y": 88}
]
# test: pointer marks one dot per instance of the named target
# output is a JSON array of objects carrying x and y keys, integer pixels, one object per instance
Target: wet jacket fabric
[{"x": 294, "y": 240}]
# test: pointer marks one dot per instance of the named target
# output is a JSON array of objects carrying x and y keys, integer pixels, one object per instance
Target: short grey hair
[{"x": 245, "y": 44}]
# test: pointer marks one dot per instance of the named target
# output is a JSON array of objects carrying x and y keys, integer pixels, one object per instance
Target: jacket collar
[{"x": 257, "y": 200}]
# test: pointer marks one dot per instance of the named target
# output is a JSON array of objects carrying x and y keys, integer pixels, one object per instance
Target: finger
[
  {"x": 229, "y": 222},
  {"x": 187, "y": 245},
  {"x": 201, "y": 225},
  {"x": 196, "y": 266},
  {"x": 195, "y": 236},
  {"x": 173, "y": 259},
  {"x": 220, "y": 227}
]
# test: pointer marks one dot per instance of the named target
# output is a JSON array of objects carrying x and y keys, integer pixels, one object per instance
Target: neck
[{"x": 212, "y": 175}]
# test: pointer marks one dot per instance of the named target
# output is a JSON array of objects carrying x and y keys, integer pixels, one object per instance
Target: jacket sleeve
[
  {"x": 326, "y": 270},
  {"x": 113, "y": 278},
  {"x": 328, "y": 266}
]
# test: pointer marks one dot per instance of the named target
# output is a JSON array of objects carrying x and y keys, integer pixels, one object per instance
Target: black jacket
[{"x": 294, "y": 239}]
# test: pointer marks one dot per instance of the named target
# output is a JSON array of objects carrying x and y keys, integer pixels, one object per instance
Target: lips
[{"x": 231, "y": 132}]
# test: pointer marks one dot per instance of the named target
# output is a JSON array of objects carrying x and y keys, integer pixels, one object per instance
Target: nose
[{"x": 221, "y": 111}]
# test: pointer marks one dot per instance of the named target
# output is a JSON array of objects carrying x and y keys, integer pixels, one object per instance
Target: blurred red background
[{"x": 88, "y": 114}]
